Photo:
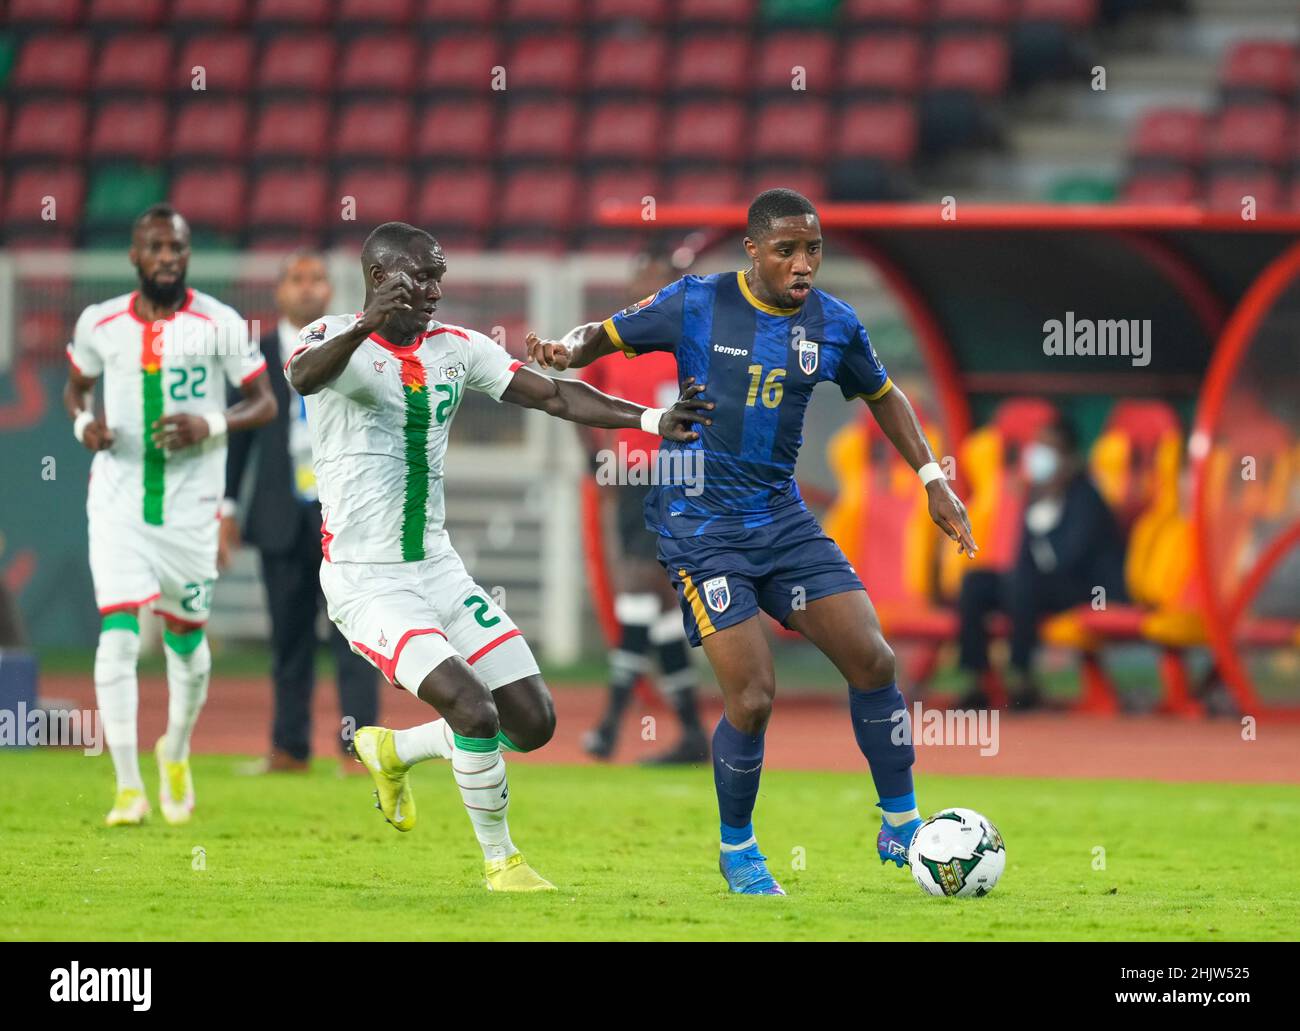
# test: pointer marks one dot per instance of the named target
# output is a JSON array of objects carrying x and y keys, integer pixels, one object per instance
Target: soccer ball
[{"x": 957, "y": 852}]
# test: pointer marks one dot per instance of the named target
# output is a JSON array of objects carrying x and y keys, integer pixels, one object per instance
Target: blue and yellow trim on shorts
[
  {"x": 703, "y": 625},
  {"x": 612, "y": 331}
]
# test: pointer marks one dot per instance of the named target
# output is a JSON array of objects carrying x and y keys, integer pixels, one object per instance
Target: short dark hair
[
  {"x": 770, "y": 205},
  {"x": 1062, "y": 427},
  {"x": 390, "y": 239}
]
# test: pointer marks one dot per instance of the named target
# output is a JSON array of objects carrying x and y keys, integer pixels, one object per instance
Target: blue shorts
[{"x": 724, "y": 579}]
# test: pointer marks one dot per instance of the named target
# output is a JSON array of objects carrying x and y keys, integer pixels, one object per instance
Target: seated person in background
[{"x": 1070, "y": 545}]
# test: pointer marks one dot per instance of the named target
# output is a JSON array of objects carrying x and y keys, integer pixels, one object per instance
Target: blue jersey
[{"x": 759, "y": 364}]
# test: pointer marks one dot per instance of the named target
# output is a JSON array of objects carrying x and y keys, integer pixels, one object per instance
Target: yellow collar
[{"x": 749, "y": 296}]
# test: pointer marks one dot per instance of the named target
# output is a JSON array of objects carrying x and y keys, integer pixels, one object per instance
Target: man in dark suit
[{"x": 283, "y": 522}]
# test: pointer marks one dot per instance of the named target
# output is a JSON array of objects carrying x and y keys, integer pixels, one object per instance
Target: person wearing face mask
[{"x": 1070, "y": 545}]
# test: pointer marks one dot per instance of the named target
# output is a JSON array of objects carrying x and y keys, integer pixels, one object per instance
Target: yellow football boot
[
  {"x": 175, "y": 787},
  {"x": 375, "y": 750},
  {"x": 514, "y": 874},
  {"x": 130, "y": 807}
]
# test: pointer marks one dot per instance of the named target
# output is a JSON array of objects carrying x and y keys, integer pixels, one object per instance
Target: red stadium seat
[
  {"x": 461, "y": 198},
  {"x": 1262, "y": 67},
  {"x": 378, "y": 64},
  {"x": 1160, "y": 189},
  {"x": 1172, "y": 134},
  {"x": 299, "y": 63},
  {"x": 623, "y": 130},
  {"x": 293, "y": 129},
  {"x": 1228, "y": 191},
  {"x": 542, "y": 198},
  {"x": 545, "y": 62},
  {"x": 382, "y": 194},
  {"x": 739, "y": 13},
  {"x": 972, "y": 13},
  {"x": 142, "y": 14},
  {"x": 295, "y": 199},
  {"x": 135, "y": 129},
  {"x": 228, "y": 14},
  {"x": 48, "y": 129},
  {"x": 885, "y": 131},
  {"x": 910, "y": 13},
  {"x": 718, "y": 63},
  {"x": 302, "y": 14},
  {"x": 720, "y": 186},
  {"x": 708, "y": 131},
  {"x": 212, "y": 128},
  {"x": 536, "y": 129},
  {"x": 782, "y": 52},
  {"x": 211, "y": 198},
  {"x": 634, "y": 63},
  {"x": 55, "y": 62},
  {"x": 374, "y": 129},
  {"x": 882, "y": 62},
  {"x": 978, "y": 64},
  {"x": 460, "y": 12},
  {"x": 1256, "y": 133},
  {"x": 461, "y": 62},
  {"x": 28, "y": 189},
  {"x": 1075, "y": 14},
  {"x": 458, "y": 129},
  {"x": 646, "y": 12},
  {"x": 789, "y": 129},
  {"x": 226, "y": 59},
  {"x": 45, "y": 13},
  {"x": 617, "y": 188},
  {"x": 802, "y": 179},
  {"x": 549, "y": 12},
  {"x": 138, "y": 61},
  {"x": 388, "y": 14}
]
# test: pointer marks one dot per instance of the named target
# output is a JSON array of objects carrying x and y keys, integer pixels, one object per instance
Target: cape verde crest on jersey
[
  {"x": 808, "y": 356},
  {"x": 717, "y": 594},
  {"x": 632, "y": 309},
  {"x": 453, "y": 372}
]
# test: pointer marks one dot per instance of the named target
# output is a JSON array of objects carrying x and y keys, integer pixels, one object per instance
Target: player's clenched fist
[
  {"x": 549, "y": 354},
  {"x": 173, "y": 432},
  {"x": 97, "y": 436},
  {"x": 676, "y": 422},
  {"x": 394, "y": 294}
]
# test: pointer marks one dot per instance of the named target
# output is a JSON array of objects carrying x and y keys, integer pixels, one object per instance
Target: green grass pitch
[{"x": 634, "y": 854}]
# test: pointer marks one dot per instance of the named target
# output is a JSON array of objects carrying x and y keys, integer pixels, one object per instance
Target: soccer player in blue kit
[{"x": 738, "y": 538}]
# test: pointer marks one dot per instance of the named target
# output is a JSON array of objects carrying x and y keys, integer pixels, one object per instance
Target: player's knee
[
  {"x": 536, "y": 730},
  {"x": 474, "y": 717},
  {"x": 751, "y": 708},
  {"x": 880, "y": 666}
]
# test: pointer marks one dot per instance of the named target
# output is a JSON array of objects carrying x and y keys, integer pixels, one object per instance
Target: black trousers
[
  {"x": 294, "y": 597},
  {"x": 1026, "y": 596}
]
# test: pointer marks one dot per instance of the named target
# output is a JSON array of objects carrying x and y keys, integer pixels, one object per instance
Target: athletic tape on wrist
[
  {"x": 216, "y": 423},
  {"x": 930, "y": 471},
  {"x": 84, "y": 419},
  {"x": 650, "y": 420}
]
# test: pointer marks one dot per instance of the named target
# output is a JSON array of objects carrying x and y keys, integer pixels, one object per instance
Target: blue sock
[
  {"x": 886, "y": 741},
  {"x": 737, "y": 766}
]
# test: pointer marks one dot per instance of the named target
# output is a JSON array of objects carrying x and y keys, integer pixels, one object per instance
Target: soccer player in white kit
[
  {"x": 156, "y": 481},
  {"x": 381, "y": 389}
]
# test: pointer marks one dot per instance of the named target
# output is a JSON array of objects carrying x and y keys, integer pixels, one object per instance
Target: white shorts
[
  {"x": 408, "y": 617},
  {"x": 133, "y": 563}
]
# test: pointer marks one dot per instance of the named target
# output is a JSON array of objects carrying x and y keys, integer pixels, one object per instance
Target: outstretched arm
[
  {"x": 580, "y": 402},
  {"x": 579, "y": 347},
  {"x": 894, "y": 414}
]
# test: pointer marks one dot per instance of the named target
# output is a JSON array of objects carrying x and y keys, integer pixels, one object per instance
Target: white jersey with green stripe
[
  {"x": 379, "y": 435},
  {"x": 151, "y": 369}
]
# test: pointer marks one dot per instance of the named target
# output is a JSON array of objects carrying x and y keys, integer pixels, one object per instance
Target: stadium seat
[
  {"x": 632, "y": 63},
  {"x": 461, "y": 63},
  {"x": 548, "y": 12},
  {"x": 378, "y": 64},
  {"x": 118, "y": 193},
  {"x": 890, "y": 13},
  {"x": 460, "y": 12},
  {"x": 292, "y": 199},
  {"x": 1160, "y": 189},
  {"x": 211, "y": 198},
  {"x": 226, "y": 14},
  {"x": 738, "y": 13},
  {"x": 789, "y": 129},
  {"x": 297, "y": 14},
  {"x": 139, "y": 14},
  {"x": 1073, "y": 14},
  {"x": 643, "y": 12},
  {"x": 619, "y": 187},
  {"x": 53, "y": 63},
  {"x": 226, "y": 59},
  {"x": 782, "y": 52},
  {"x": 622, "y": 130},
  {"x": 44, "y": 13},
  {"x": 292, "y": 129},
  {"x": 304, "y": 64},
  {"x": 464, "y": 199},
  {"x": 1228, "y": 191},
  {"x": 1261, "y": 68},
  {"x": 457, "y": 129},
  {"x": 28, "y": 188},
  {"x": 712, "y": 63},
  {"x": 881, "y": 62},
  {"x": 1250, "y": 134},
  {"x": 960, "y": 14},
  {"x": 540, "y": 198},
  {"x": 368, "y": 14},
  {"x": 1136, "y": 457},
  {"x": 373, "y": 129},
  {"x": 134, "y": 129},
  {"x": 1170, "y": 135},
  {"x": 720, "y": 186},
  {"x": 210, "y": 128},
  {"x": 538, "y": 129},
  {"x": 382, "y": 193},
  {"x": 976, "y": 63},
  {"x": 137, "y": 61},
  {"x": 712, "y": 131},
  {"x": 885, "y": 130},
  {"x": 546, "y": 62},
  {"x": 48, "y": 129}
]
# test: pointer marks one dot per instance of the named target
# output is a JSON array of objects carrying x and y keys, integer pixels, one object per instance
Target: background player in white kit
[
  {"x": 155, "y": 488},
  {"x": 382, "y": 387}
]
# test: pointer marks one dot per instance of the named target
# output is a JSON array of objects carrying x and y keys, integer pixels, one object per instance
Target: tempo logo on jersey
[
  {"x": 717, "y": 593},
  {"x": 808, "y": 356},
  {"x": 103, "y": 984}
]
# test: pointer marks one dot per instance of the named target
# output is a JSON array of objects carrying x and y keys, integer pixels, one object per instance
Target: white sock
[
  {"x": 188, "y": 669},
  {"x": 898, "y": 819},
  {"x": 481, "y": 777},
  {"x": 427, "y": 741},
  {"x": 117, "y": 693}
]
